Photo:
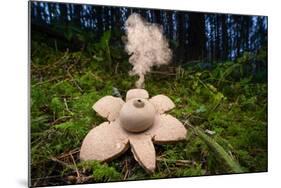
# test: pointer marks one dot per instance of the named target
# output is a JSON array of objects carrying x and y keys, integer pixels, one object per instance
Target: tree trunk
[
  {"x": 99, "y": 20},
  {"x": 180, "y": 37},
  {"x": 171, "y": 24},
  {"x": 217, "y": 39},
  {"x": 224, "y": 38},
  {"x": 158, "y": 17},
  {"x": 196, "y": 36},
  {"x": 76, "y": 18},
  {"x": 246, "y": 31},
  {"x": 63, "y": 16}
]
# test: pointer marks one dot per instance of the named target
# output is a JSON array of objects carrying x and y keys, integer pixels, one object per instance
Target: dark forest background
[{"x": 193, "y": 36}]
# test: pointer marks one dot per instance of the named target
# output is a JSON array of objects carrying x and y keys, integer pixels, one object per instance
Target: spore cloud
[{"x": 146, "y": 45}]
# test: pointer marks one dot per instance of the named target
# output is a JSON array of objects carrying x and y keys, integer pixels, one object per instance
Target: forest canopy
[{"x": 193, "y": 35}]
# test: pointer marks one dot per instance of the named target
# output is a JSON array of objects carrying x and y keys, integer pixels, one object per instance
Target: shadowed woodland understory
[{"x": 217, "y": 79}]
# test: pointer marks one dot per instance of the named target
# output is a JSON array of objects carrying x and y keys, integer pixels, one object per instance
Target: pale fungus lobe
[{"x": 137, "y": 123}]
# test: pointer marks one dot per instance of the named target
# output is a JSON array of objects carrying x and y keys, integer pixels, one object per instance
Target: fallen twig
[
  {"x": 59, "y": 119},
  {"x": 46, "y": 81},
  {"x": 64, "y": 155},
  {"x": 74, "y": 81},
  {"x": 76, "y": 169},
  {"x": 177, "y": 162},
  {"x": 66, "y": 106},
  {"x": 62, "y": 163},
  {"x": 127, "y": 170}
]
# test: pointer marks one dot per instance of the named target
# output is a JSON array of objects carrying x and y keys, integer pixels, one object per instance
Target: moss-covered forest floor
[{"x": 225, "y": 100}]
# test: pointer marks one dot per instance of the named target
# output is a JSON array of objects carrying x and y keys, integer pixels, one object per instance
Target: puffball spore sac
[
  {"x": 147, "y": 46},
  {"x": 137, "y": 115}
]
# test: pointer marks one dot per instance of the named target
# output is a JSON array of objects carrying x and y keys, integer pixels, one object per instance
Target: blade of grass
[{"x": 214, "y": 146}]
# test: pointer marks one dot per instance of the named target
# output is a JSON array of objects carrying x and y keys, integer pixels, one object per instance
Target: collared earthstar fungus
[{"x": 137, "y": 123}]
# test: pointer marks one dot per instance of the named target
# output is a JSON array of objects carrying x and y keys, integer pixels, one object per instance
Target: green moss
[
  {"x": 100, "y": 172},
  {"x": 190, "y": 171},
  {"x": 64, "y": 86}
]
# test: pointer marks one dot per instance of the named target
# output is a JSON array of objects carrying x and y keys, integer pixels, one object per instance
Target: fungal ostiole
[{"x": 146, "y": 45}]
